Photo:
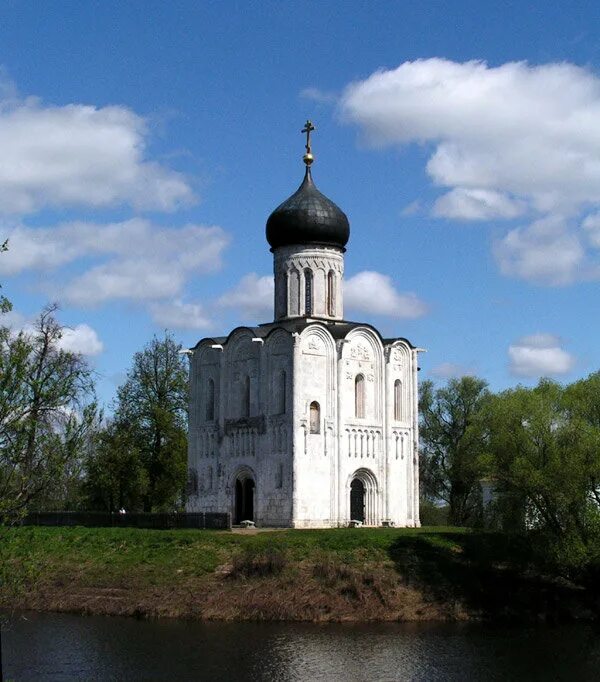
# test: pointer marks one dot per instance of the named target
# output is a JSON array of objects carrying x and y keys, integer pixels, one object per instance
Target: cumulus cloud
[
  {"x": 450, "y": 370},
  {"x": 79, "y": 155},
  {"x": 506, "y": 141},
  {"x": 477, "y": 204},
  {"x": 252, "y": 296},
  {"x": 539, "y": 355},
  {"x": 81, "y": 339},
  {"x": 179, "y": 315},
  {"x": 373, "y": 292},
  {"x": 138, "y": 260},
  {"x": 591, "y": 226},
  {"x": 318, "y": 95},
  {"x": 546, "y": 252}
]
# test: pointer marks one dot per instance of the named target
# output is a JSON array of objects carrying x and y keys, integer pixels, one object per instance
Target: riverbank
[{"x": 443, "y": 574}]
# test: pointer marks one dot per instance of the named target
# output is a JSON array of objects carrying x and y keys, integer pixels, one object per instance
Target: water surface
[{"x": 53, "y": 647}]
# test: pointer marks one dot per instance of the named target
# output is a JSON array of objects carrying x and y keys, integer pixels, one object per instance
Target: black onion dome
[{"x": 308, "y": 217}]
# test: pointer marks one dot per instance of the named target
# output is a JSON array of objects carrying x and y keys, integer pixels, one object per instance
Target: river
[{"x": 53, "y": 647}]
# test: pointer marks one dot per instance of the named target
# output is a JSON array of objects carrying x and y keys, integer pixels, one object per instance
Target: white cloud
[
  {"x": 450, "y": 370},
  {"x": 253, "y": 296},
  {"x": 545, "y": 252},
  {"x": 591, "y": 226},
  {"x": 318, "y": 95},
  {"x": 414, "y": 208},
  {"x": 506, "y": 141},
  {"x": 539, "y": 355},
  {"x": 79, "y": 155},
  {"x": 81, "y": 339},
  {"x": 179, "y": 315},
  {"x": 372, "y": 292},
  {"x": 516, "y": 128},
  {"x": 477, "y": 204},
  {"x": 139, "y": 260}
]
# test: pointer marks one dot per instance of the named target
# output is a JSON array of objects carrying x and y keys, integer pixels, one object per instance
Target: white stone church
[{"x": 309, "y": 421}]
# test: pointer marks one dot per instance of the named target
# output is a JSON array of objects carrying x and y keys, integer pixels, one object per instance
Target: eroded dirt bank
[{"x": 319, "y": 576}]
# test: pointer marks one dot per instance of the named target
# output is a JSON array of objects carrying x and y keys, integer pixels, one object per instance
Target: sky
[{"x": 144, "y": 144}]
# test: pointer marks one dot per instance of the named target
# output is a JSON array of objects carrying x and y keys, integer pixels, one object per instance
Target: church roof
[{"x": 339, "y": 330}]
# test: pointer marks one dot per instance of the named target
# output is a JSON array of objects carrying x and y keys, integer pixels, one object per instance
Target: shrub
[
  {"x": 258, "y": 562},
  {"x": 432, "y": 514}
]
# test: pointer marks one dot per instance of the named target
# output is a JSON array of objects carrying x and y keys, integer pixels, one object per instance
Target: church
[{"x": 309, "y": 421}]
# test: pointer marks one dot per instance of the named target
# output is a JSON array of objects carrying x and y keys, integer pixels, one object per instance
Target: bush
[
  {"x": 432, "y": 514},
  {"x": 258, "y": 562}
]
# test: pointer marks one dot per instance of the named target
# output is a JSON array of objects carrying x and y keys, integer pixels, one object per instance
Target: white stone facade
[
  {"x": 309, "y": 421},
  {"x": 250, "y": 420}
]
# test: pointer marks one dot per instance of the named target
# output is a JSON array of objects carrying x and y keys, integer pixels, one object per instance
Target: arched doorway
[
  {"x": 357, "y": 500},
  {"x": 244, "y": 499},
  {"x": 365, "y": 503}
]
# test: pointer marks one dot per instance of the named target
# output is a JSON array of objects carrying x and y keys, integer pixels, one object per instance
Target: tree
[
  {"x": 47, "y": 410},
  {"x": 544, "y": 454},
  {"x": 452, "y": 443},
  {"x": 116, "y": 477},
  {"x": 152, "y": 408}
]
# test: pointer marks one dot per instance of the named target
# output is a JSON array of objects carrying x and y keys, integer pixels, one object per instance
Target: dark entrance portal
[
  {"x": 357, "y": 500},
  {"x": 244, "y": 500}
]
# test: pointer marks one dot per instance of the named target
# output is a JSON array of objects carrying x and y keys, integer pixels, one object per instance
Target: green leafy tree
[
  {"x": 152, "y": 407},
  {"x": 115, "y": 474},
  {"x": 47, "y": 411},
  {"x": 544, "y": 454},
  {"x": 452, "y": 443}
]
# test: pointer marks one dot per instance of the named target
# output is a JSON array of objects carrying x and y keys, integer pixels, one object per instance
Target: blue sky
[{"x": 143, "y": 146}]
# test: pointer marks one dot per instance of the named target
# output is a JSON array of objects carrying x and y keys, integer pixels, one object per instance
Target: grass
[{"x": 337, "y": 574}]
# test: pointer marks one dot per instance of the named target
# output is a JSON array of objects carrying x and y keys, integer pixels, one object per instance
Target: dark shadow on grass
[{"x": 492, "y": 575}]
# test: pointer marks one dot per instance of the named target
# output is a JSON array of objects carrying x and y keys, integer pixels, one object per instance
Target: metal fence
[{"x": 205, "y": 520}]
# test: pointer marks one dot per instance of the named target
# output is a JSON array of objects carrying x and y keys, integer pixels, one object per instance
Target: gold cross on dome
[{"x": 308, "y": 128}]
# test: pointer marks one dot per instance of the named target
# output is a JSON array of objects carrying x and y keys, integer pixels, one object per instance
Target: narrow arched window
[
  {"x": 293, "y": 293},
  {"x": 192, "y": 482},
  {"x": 331, "y": 293},
  {"x": 308, "y": 292},
  {"x": 359, "y": 396},
  {"x": 245, "y": 411},
  {"x": 286, "y": 294},
  {"x": 282, "y": 392},
  {"x": 315, "y": 417},
  {"x": 210, "y": 400},
  {"x": 398, "y": 400}
]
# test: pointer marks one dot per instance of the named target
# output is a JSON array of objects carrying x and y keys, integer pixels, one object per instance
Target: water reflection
[{"x": 64, "y": 647}]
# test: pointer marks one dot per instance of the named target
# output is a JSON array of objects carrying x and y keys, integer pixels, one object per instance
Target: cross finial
[{"x": 308, "y": 128}]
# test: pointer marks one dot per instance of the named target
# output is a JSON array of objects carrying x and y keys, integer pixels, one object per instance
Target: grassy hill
[{"x": 315, "y": 575}]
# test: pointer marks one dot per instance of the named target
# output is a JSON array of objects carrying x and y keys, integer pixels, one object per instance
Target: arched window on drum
[
  {"x": 331, "y": 293},
  {"x": 308, "y": 292}
]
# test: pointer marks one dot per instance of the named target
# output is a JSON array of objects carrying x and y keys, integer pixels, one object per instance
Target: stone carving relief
[
  {"x": 360, "y": 352},
  {"x": 314, "y": 346},
  {"x": 314, "y": 263}
]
